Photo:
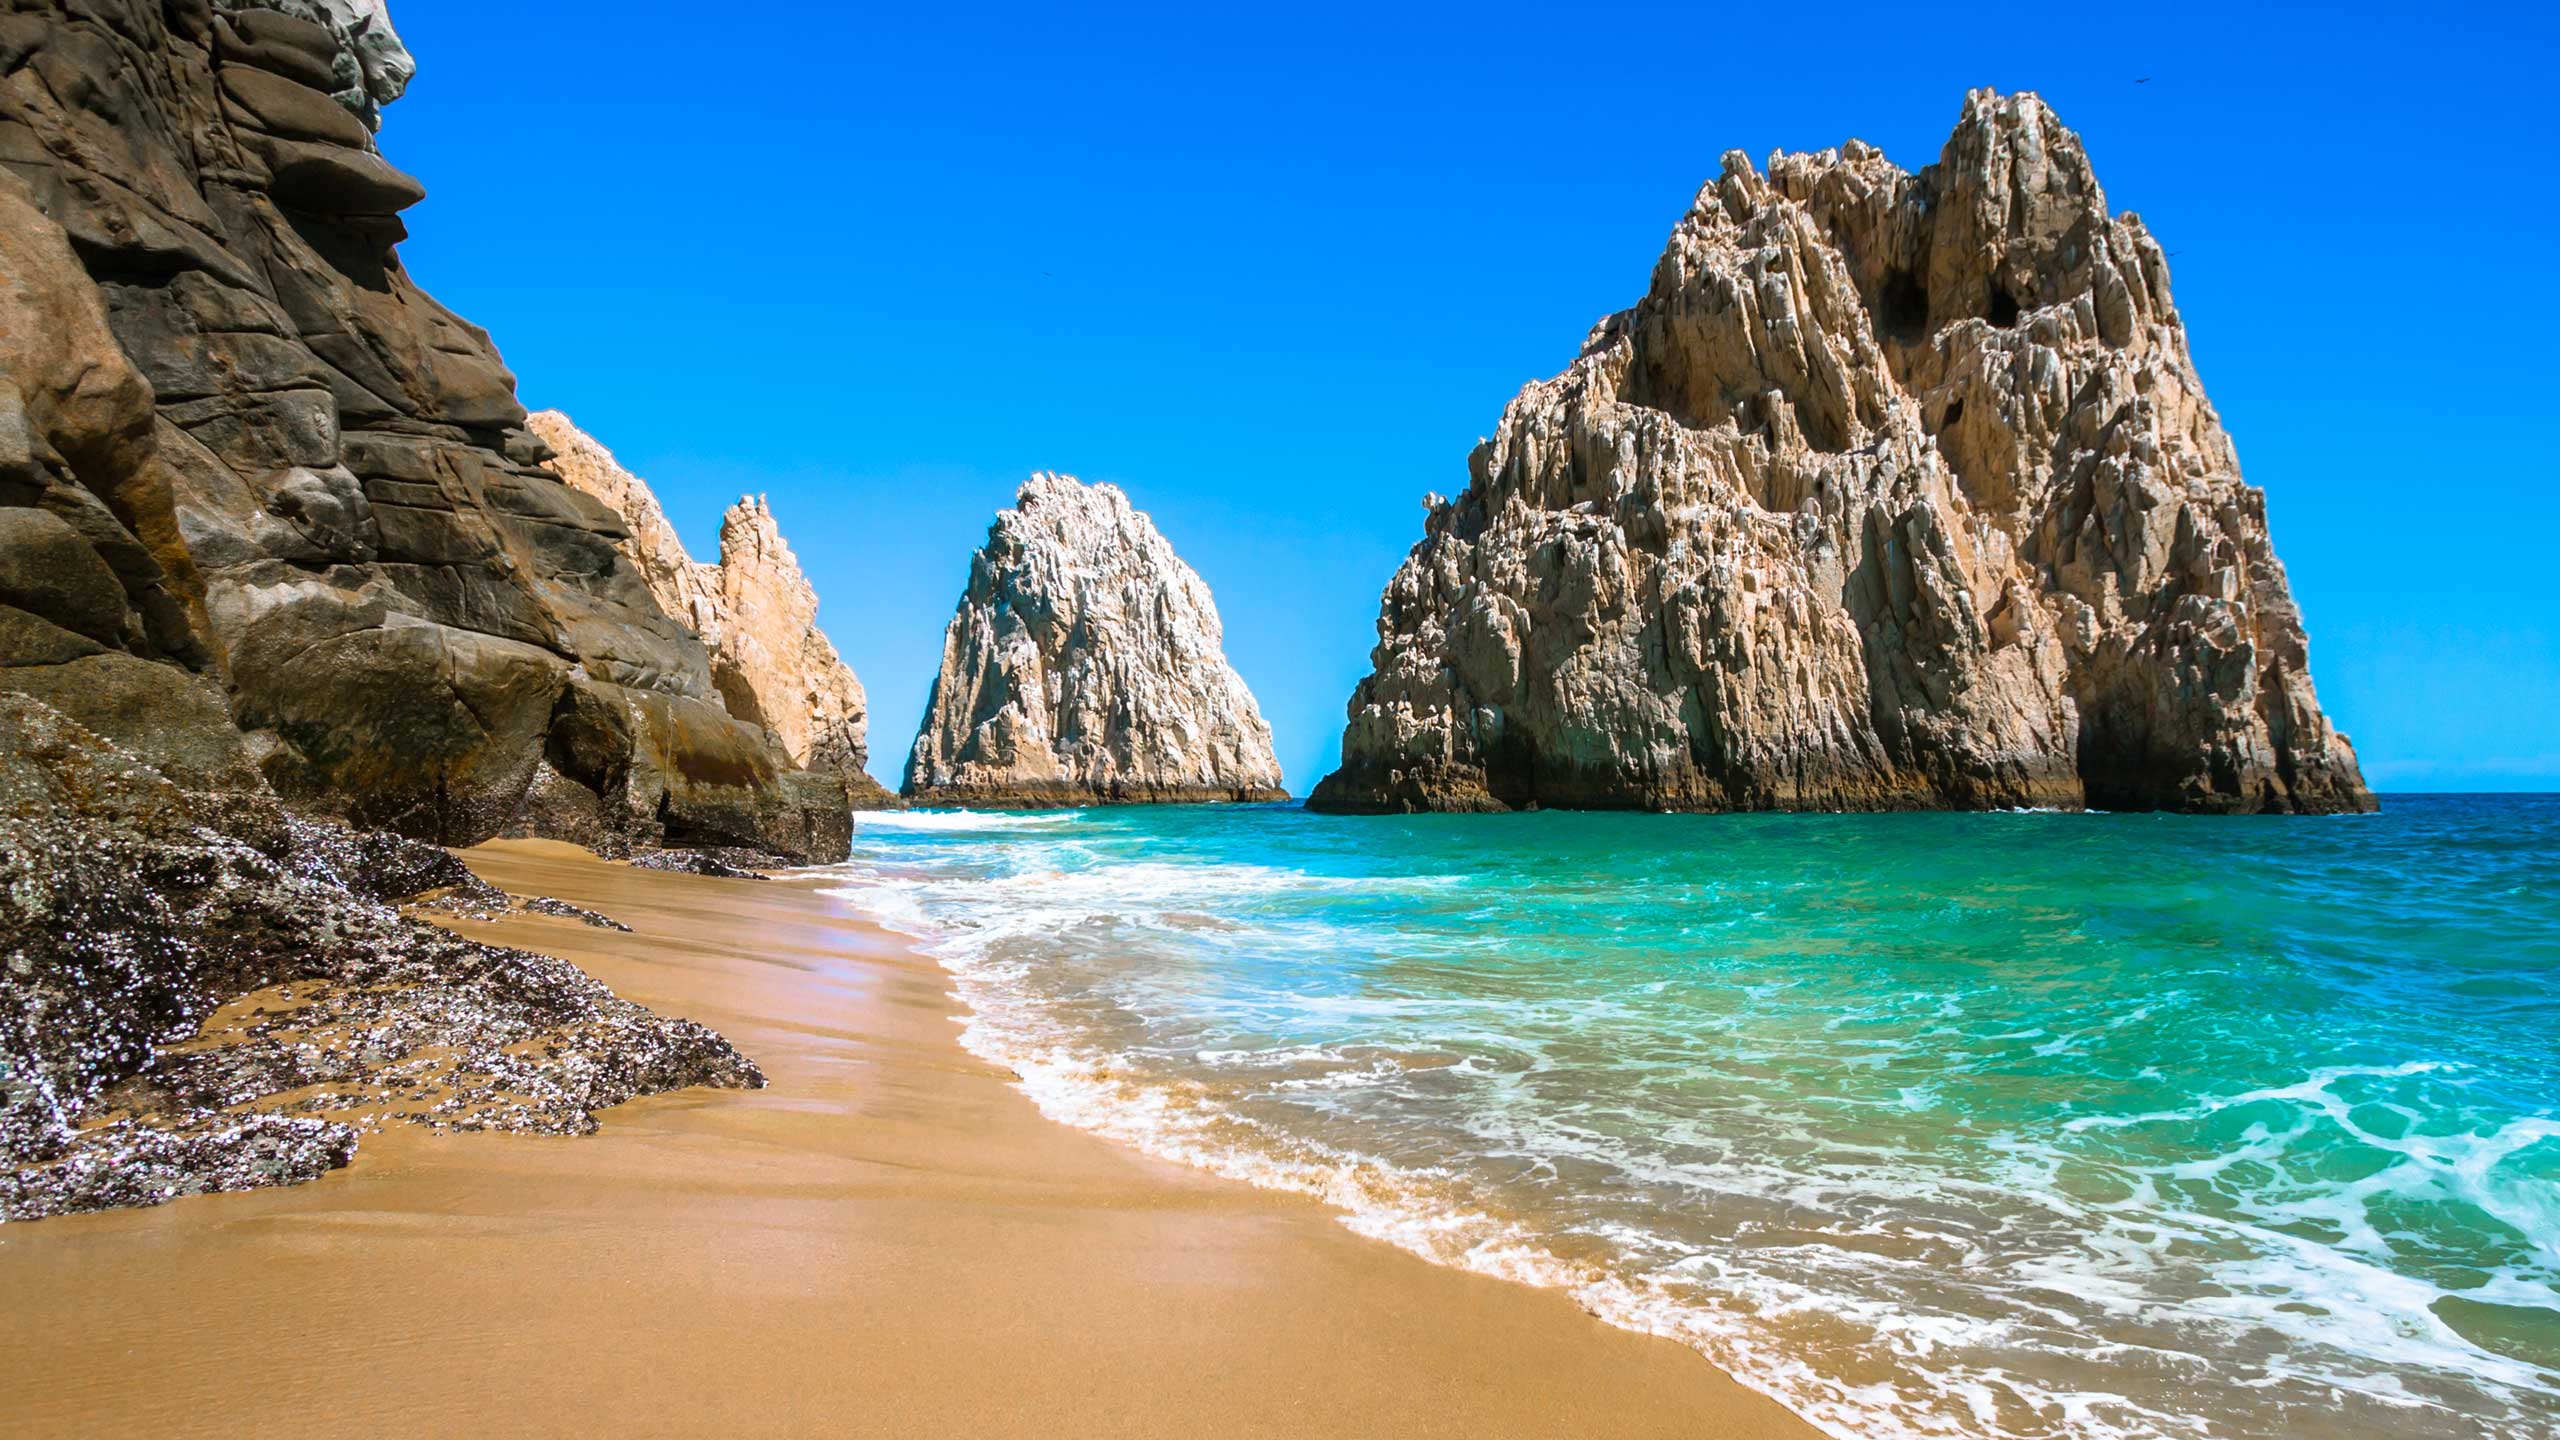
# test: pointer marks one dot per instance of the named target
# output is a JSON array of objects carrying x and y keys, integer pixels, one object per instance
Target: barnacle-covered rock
[{"x": 207, "y": 993}]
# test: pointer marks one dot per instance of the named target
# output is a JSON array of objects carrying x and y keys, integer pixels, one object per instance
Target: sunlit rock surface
[
  {"x": 1086, "y": 664},
  {"x": 756, "y": 612},
  {"x": 1893, "y": 491}
]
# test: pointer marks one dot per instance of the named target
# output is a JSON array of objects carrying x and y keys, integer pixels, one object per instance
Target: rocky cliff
[
  {"x": 246, "y": 464},
  {"x": 1893, "y": 491},
  {"x": 1086, "y": 663},
  {"x": 756, "y": 612}
]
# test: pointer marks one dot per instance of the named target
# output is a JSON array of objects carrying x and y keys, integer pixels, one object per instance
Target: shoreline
[{"x": 889, "y": 1239}]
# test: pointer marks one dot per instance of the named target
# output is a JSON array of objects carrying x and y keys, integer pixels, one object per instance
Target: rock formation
[
  {"x": 246, "y": 465},
  {"x": 1086, "y": 663},
  {"x": 756, "y": 613},
  {"x": 1893, "y": 491},
  {"x": 205, "y": 992}
]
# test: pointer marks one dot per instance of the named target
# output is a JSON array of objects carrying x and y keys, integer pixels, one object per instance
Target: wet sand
[{"x": 888, "y": 1241}]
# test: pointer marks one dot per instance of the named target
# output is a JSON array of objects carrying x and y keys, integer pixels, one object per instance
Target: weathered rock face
[
  {"x": 203, "y": 992},
  {"x": 101, "y": 609},
  {"x": 1086, "y": 663},
  {"x": 1893, "y": 491},
  {"x": 309, "y": 483},
  {"x": 756, "y": 612}
]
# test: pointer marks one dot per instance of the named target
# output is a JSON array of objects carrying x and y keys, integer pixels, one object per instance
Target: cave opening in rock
[
  {"x": 1902, "y": 307},
  {"x": 1954, "y": 415},
  {"x": 2004, "y": 306}
]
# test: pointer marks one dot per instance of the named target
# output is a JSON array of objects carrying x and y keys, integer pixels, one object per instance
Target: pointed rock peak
[
  {"x": 1894, "y": 490},
  {"x": 756, "y": 612},
  {"x": 1057, "y": 502},
  {"x": 1086, "y": 664},
  {"x": 748, "y": 529}
]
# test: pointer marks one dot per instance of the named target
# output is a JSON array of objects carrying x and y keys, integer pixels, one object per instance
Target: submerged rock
[
  {"x": 756, "y": 612},
  {"x": 274, "y": 511},
  {"x": 1893, "y": 491},
  {"x": 208, "y": 993},
  {"x": 1086, "y": 664}
]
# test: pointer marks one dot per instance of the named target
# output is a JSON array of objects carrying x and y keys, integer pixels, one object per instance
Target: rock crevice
[{"x": 1894, "y": 491}]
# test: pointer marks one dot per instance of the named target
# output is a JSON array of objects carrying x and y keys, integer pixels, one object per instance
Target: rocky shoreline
[
  {"x": 290, "y": 596},
  {"x": 209, "y": 992}
]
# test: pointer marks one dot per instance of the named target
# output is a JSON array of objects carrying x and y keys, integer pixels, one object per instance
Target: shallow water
[{"x": 2034, "y": 1125}]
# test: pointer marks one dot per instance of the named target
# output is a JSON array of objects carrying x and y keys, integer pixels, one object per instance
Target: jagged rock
[
  {"x": 1894, "y": 491},
  {"x": 756, "y": 613},
  {"x": 312, "y": 483},
  {"x": 207, "y": 993},
  {"x": 1086, "y": 663}
]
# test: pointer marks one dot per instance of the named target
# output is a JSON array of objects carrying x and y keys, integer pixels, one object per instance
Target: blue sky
[{"x": 1274, "y": 274}]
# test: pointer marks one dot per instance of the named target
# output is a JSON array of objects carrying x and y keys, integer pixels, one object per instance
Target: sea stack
[
  {"x": 756, "y": 612},
  {"x": 252, "y": 479},
  {"x": 1894, "y": 491},
  {"x": 1086, "y": 665}
]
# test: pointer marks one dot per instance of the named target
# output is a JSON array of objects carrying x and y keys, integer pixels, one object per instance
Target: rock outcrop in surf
[
  {"x": 756, "y": 612},
  {"x": 1894, "y": 491},
  {"x": 1086, "y": 664},
  {"x": 254, "y": 483}
]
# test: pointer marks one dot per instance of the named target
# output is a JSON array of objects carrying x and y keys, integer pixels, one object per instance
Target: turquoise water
[{"x": 2034, "y": 1125}]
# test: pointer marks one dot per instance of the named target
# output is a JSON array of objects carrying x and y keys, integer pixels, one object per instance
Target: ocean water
[{"x": 2021, "y": 1125}]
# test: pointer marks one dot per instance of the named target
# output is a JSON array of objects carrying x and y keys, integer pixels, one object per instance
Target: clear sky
[{"x": 1274, "y": 274}]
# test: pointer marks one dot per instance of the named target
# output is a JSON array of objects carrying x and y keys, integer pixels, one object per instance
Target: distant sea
[{"x": 2020, "y": 1125}]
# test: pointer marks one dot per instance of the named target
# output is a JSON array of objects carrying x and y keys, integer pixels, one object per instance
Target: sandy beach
[{"x": 888, "y": 1240}]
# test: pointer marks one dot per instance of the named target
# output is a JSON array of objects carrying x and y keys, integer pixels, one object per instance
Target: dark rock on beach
[
  {"x": 724, "y": 864},
  {"x": 206, "y": 992}
]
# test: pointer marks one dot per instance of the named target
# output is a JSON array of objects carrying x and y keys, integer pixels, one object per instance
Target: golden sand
[{"x": 888, "y": 1241}]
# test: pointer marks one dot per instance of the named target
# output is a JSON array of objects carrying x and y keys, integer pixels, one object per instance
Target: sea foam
[{"x": 2014, "y": 1161}]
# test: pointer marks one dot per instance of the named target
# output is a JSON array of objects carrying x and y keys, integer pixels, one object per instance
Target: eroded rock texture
[
  {"x": 1086, "y": 663},
  {"x": 206, "y": 992},
  {"x": 1893, "y": 491},
  {"x": 756, "y": 613},
  {"x": 246, "y": 463}
]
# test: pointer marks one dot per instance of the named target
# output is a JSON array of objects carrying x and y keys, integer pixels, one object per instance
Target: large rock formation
[
  {"x": 1086, "y": 663},
  {"x": 755, "y": 612},
  {"x": 1893, "y": 491},
  {"x": 244, "y": 461}
]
